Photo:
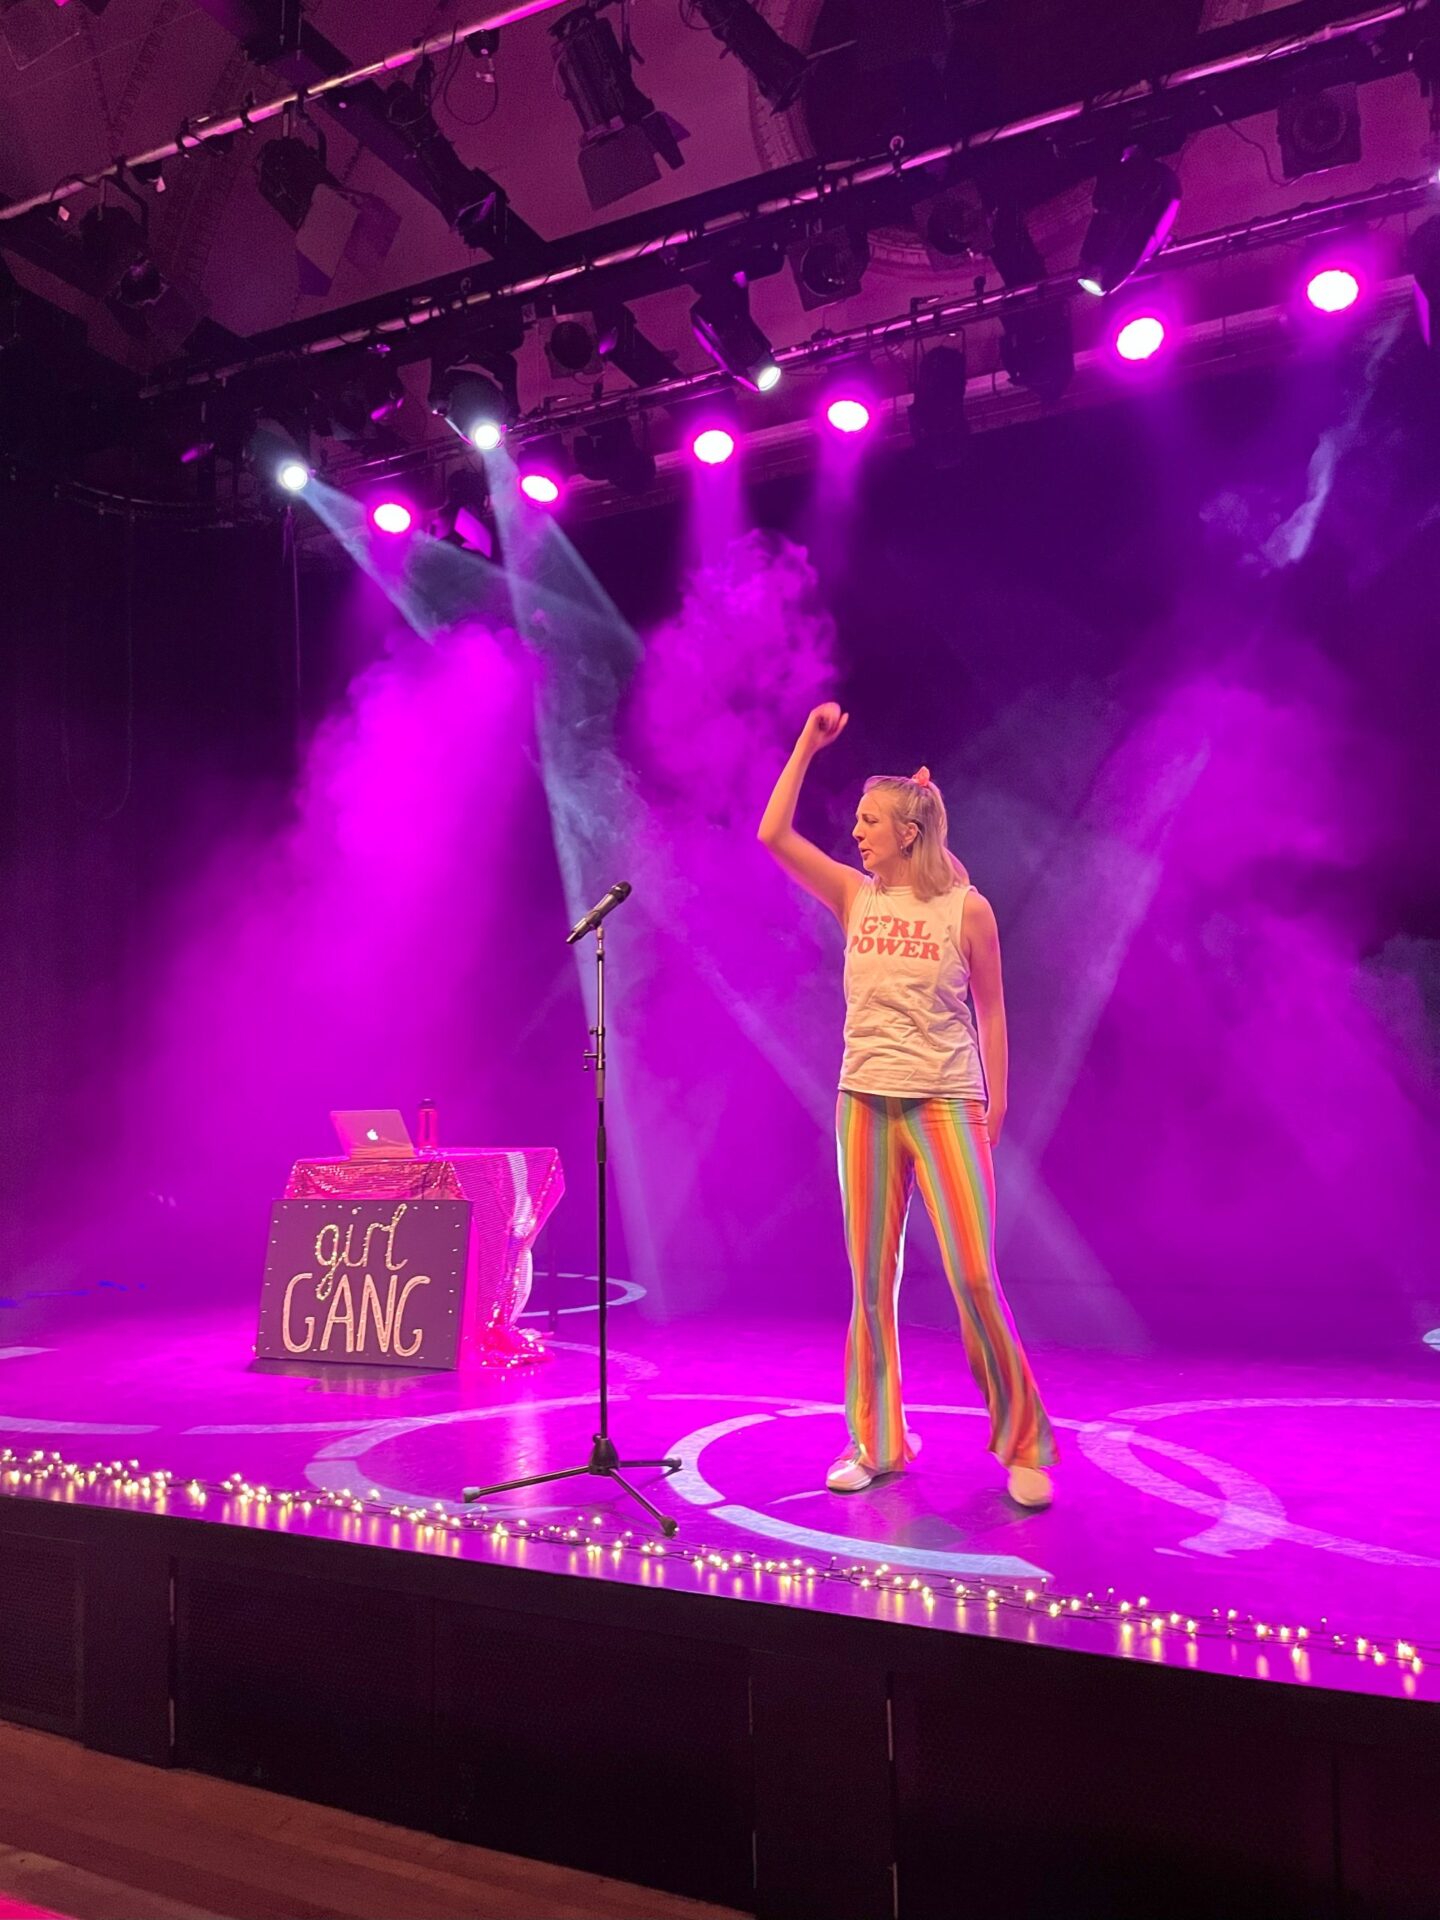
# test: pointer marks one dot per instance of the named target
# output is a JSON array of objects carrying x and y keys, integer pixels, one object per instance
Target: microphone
[{"x": 619, "y": 892}]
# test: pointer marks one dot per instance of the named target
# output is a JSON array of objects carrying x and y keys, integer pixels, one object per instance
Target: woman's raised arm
[{"x": 829, "y": 880}]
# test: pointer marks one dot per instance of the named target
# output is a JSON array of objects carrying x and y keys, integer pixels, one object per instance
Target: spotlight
[
  {"x": 475, "y": 405},
  {"x": 937, "y": 411},
  {"x": 117, "y": 248},
  {"x": 609, "y": 452},
  {"x": 1332, "y": 289},
  {"x": 288, "y": 171},
  {"x": 713, "y": 446},
  {"x": 140, "y": 285},
  {"x": 570, "y": 348},
  {"x": 465, "y": 521},
  {"x": 1140, "y": 338},
  {"x": 621, "y": 129},
  {"x": 292, "y": 474},
  {"x": 951, "y": 224},
  {"x": 540, "y": 465},
  {"x": 777, "y": 68},
  {"x": 363, "y": 394},
  {"x": 1037, "y": 348},
  {"x": 830, "y": 265},
  {"x": 1319, "y": 129},
  {"x": 391, "y": 516},
  {"x": 1136, "y": 202},
  {"x": 723, "y": 326},
  {"x": 847, "y": 414},
  {"x": 1422, "y": 256}
]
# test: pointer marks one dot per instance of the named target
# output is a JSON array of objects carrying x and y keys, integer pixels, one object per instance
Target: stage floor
[{"x": 1295, "y": 1495}]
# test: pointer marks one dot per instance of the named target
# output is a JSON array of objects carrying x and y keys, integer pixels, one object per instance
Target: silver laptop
[{"x": 376, "y": 1134}]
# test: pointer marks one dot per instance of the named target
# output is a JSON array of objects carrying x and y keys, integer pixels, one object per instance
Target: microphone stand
[{"x": 604, "y": 1462}]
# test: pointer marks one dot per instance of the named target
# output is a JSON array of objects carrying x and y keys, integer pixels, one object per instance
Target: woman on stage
[{"x": 922, "y": 1097}]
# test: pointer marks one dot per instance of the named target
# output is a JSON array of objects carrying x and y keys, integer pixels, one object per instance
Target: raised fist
[{"x": 824, "y": 726}]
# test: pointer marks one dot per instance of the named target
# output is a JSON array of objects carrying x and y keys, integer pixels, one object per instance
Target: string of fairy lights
[{"x": 1140, "y": 1623}]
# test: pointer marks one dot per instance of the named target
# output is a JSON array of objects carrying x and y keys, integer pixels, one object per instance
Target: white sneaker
[
  {"x": 850, "y": 1474},
  {"x": 1030, "y": 1487}
]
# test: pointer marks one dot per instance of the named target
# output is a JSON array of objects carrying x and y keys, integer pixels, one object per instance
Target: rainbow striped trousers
[{"x": 886, "y": 1145}]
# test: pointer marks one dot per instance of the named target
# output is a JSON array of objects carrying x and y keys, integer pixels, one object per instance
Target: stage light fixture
[
  {"x": 1317, "y": 129},
  {"x": 292, "y": 474},
  {"x": 713, "y": 446},
  {"x": 474, "y": 405},
  {"x": 288, "y": 171},
  {"x": 1037, "y": 347},
  {"x": 830, "y": 265},
  {"x": 777, "y": 68},
  {"x": 1140, "y": 338},
  {"x": 1422, "y": 257},
  {"x": 610, "y": 453},
  {"x": 937, "y": 409},
  {"x": 723, "y": 326},
  {"x": 621, "y": 129},
  {"x": 848, "y": 414},
  {"x": 362, "y": 393},
  {"x": 476, "y": 205},
  {"x": 391, "y": 516},
  {"x": 570, "y": 348},
  {"x": 117, "y": 248},
  {"x": 465, "y": 520},
  {"x": 1332, "y": 288},
  {"x": 540, "y": 467},
  {"x": 951, "y": 221},
  {"x": 1135, "y": 204}
]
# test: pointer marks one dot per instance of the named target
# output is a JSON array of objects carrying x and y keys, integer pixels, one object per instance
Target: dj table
[{"x": 423, "y": 1261}]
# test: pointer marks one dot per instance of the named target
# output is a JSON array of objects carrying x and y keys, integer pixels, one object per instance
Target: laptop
[{"x": 375, "y": 1134}]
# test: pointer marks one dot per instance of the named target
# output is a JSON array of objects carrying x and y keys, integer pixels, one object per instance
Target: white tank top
[{"x": 909, "y": 1030}]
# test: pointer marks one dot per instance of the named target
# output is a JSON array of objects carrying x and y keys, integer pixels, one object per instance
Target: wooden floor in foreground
[{"x": 103, "y": 1839}]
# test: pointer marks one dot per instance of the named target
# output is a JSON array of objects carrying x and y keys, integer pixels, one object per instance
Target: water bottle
[{"x": 428, "y": 1130}]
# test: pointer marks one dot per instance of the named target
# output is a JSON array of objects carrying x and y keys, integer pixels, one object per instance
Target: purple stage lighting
[
  {"x": 392, "y": 516},
  {"x": 713, "y": 447},
  {"x": 1140, "y": 338},
  {"x": 847, "y": 414},
  {"x": 293, "y": 475},
  {"x": 541, "y": 488},
  {"x": 1332, "y": 289}
]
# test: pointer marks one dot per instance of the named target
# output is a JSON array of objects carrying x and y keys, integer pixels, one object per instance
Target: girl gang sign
[{"x": 365, "y": 1282}]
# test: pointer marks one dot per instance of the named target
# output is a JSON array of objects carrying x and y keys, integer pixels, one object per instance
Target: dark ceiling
[{"x": 84, "y": 83}]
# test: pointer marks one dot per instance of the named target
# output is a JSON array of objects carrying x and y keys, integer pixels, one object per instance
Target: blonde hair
[{"x": 933, "y": 869}]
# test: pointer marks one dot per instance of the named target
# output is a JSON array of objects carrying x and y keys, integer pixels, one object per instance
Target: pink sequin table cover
[{"x": 513, "y": 1191}]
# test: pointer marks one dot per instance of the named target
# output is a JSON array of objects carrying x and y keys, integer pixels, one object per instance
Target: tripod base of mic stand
[{"x": 604, "y": 1464}]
